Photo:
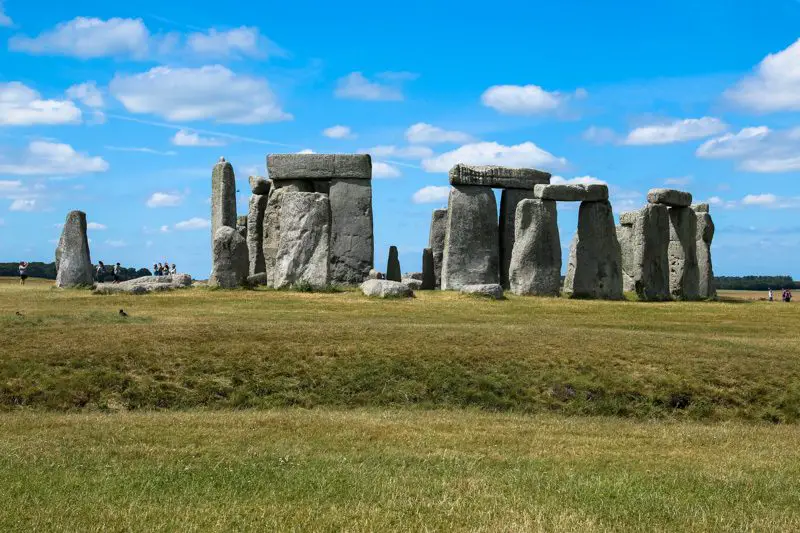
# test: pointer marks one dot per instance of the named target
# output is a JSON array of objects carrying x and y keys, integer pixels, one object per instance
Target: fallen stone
[
  {"x": 535, "y": 267},
  {"x": 259, "y": 185},
  {"x": 229, "y": 259},
  {"x": 319, "y": 166},
  {"x": 73, "y": 260},
  {"x": 595, "y": 259},
  {"x": 428, "y": 272},
  {"x": 436, "y": 241},
  {"x": 592, "y": 192},
  {"x": 471, "y": 252},
  {"x": 303, "y": 251},
  {"x": 382, "y": 288},
  {"x": 255, "y": 233},
  {"x": 146, "y": 284},
  {"x": 484, "y": 290},
  {"x": 413, "y": 284},
  {"x": 352, "y": 240},
  {"x": 669, "y": 197},
  {"x": 393, "y": 272},
  {"x": 684, "y": 275},
  {"x": 705, "y": 234},
  {"x": 509, "y": 200},
  {"x": 257, "y": 280},
  {"x": 648, "y": 264},
  {"x": 223, "y": 196},
  {"x": 499, "y": 177}
]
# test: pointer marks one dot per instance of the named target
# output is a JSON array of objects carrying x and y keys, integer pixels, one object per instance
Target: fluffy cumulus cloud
[
  {"x": 759, "y": 199},
  {"x": 206, "y": 93},
  {"x": 746, "y": 141},
  {"x": 422, "y": 133},
  {"x": 526, "y": 99},
  {"x": 22, "y": 106},
  {"x": 431, "y": 194},
  {"x": 45, "y": 158},
  {"x": 771, "y": 164},
  {"x": 25, "y": 205},
  {"x": 87, "y": 38},
  {"x": 526, "y": 154},
  {"x": 338, "y": 132},
  {"x": 5, "y": 20},
  {"x": 191, "y": 138},
  {"x": 164, "y": 199},
  {"x": 676, "y": 131},
  {"x": 383, "y": 170},
  {"x": 774, "y": 86},
  {"x": 238, "y": 42},
  {"x": 757, "y": 149},
  {"x": 87, "y": 93},
  {"x": 578, "y": 180},
  {"x": 356, "y": 86},
  {"x": 399, "y": 152},
  {"x": 195, "y": 223}
]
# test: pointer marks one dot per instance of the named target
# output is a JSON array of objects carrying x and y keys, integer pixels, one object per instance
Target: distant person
[
  {"x": 159, "y": 270},
  {"x": 173, "y": 270},
  {"x": 100, "y": 272},
  {"x": 23, "y": 272},
  {"x": 155, "y": 269},
  {"x": 117, "y": 272},
  {"x": 769, "y": 294},
  {"x": 788, "y": 296}
]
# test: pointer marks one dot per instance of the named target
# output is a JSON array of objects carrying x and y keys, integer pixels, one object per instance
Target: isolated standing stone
[
  {"x": 223, "y": 197},
  {"x": 73, "y": 260},
  {"x": 471, "y": 250},
  {"x": 255, "y": 232},
  {"x": 304, "y": 243},
  {"x": 509, "y": 200},
  {"x": 436, "y": 241},
  {"x": 352, "y": 242},
  {"x": 705, "y": 234},
  {"x": 646, "y": 255},
  {"x": 428, "y": 270},
  {"x": 684, "y": 276},
  {"x": 229, "y": 259},
  {"x": 536, "y": 261},
  {"x": 393, "y": 272},
  {"x": 595, "y": 258}
]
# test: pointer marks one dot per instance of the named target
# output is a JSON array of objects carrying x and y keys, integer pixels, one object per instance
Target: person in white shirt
[
  {"x": 23, "y": 272},
  {"x": 769, "y": 295}
]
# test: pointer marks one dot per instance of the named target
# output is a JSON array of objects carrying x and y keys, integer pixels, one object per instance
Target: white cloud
[
  {"x": 579, "y": 180},
  {"x": 677, "y": 131},
  {"x": 431, "y": 194},
  {"x": 422, "y": 133},
  {"x": 384, "y": 170},
  {"x": 768, "y": 164},
  {"x": 141, "y": 150},
  {"x": 10, "y": 185},
  {"x": 307, "y": 151},
  {"x": 407, "y": 152},
  {"x": 87, "y": 93},
  {"x": 356, "y": 86},
  {"x": 338, "y": 132},
  {"x": 24, "y": 205},
  {"x": 599, "y": 135},
  {"x": 164, "y": 199},
  {"x": 205, "y": 93},
  {"x": 191, "y": 138},
  {"x": 49, "y": 158},
  {"x": 96, "y": 226},
  {"x": 22, "y": 106},
  {"x": 526, "y": 99},
  {"x": 193, "y": 224},
  {"x": 738, "y": 144},
  {"x": 116, "y": 243},
  {"x": 238, "y": 42},
  {"x": 681, "y": 181},
  {"x": 88, "y": 38},
  {"x": 759, "y": 199},
  {"x": 5, "y": 20},
  {"x": 526, "y": 154},
  {"x": 775, "y": 85}
]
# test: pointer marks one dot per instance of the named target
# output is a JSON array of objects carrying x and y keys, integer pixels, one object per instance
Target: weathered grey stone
[
  {"x": 256, "y": 280},
  {"x": 271, "y": 231},
  {"x": 471, "y": 250},
  {"x": 382, "y": 288},
  {"x": 374, "y": 274},
  {"x": 414, "y": 275},
  {"x": 73, "y": 260},
  {"x": 229, "y": 259},
  {"x": 580, "y": 192},
  {"x": 485, "y": 290},
  {"x": 669, "y": 197},
  {"x": 146, "y": 284},
  {"x": 260, "y": 185},
  {"x": 595, "y": 258},
  {"x": 684, "y": 276},
  {"x": 241, "y": 226},
  {"x": 304, "y": 244},
  {"x": 436, "y": 241},
  {"x": 223, "y": 197},
  {"x": 319, "y": 166},
  {"x": 323, "y": 186},
  {"x": 294, "y": 185},
  {"x": 700, "y": 208},
  {"x": 646, "y": 253},
  {"x": 428, "y": 270},
  {"x": 704, "y": 236},
  {"x": 393, "y": 272},
  {"x": 499, "y": 177},
  {"x": 626, "y": 249},
  {"x": 536, "y": 261},
  {"x": 255, "y": 233},
  {"x": 413, "y": 284},
  {"x": 509, "y": 200},
  {"x": 352, "y": 240},
  {"x": 628, "y": 218}
]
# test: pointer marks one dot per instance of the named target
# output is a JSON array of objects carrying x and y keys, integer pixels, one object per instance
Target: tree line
[
  {"x": 755, "y": 283},
  {"x": 48, "y": 271}
]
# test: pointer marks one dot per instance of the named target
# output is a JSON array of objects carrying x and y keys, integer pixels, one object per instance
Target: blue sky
[{"x": 122, "y": 110}]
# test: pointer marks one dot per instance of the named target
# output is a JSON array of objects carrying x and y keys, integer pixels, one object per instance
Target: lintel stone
[
  {"x": 319, "y": 166},
  {"x": 669, "y": 197},
  {"x": 580, "y": 192},
  {"x": 499, "y": 177}
]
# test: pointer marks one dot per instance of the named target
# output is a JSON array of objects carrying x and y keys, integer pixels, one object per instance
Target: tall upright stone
[
  {"x": 705, "y": 234},
  {"x": 436, "y": 241},
  {"x": 471, "y": 250},
  {"x": 271, "y": 230},
  {"x": 255, "y": 224},
  {"x": 684, "y": 275},
  {"x": 73, "y": 260},
  {"x": 229, "y": 259},
  {"x": 393, "y": 272},
  {"x": 303, "y": 249},
  {"x": 595, "y": 259},
  {"x": 646, "y": 254},
  {"x": 352, "y": 241},
  {"x": 223, "y": 196},
  {"x": 509, "y": 200},
  {"x": 624, "y": 237},
  {"x": 428, "y": 270},
  {"x": 535, "y": 266}
]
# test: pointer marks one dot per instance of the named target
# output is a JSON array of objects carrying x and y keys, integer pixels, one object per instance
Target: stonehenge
[
  {"x": 73, "y": 260},
  {"x": 259, "y": 187},
  {"x": 509, "y": 200},
  {"x": 223, "y": 196},
  {"x": 428, "y": 270},
  {"x": 229, "y": 253},
  {"x": 393, "y": 271},
  {"x": 644, "y": 238},
  {"x": 436, "y": 241},
  {"x": 303, "y": 250},
  {"x": 535, "y": 266},
  {"x": 684, "y": 277},
  {"x": 705, "y": 234}
]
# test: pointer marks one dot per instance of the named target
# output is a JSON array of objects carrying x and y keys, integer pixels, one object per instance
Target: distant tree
[
  {"x": 754, "y": 283},
  {"x": 48, "y": 271}
]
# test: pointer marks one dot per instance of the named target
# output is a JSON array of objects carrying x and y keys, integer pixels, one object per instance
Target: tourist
[
  {"x": 23, "y": 272},
  {"x": 769, "y": 295},
  {"x": 173, "y": 270},
  {"x": 155, "y": 269},
  {"x": 117, "y": 272},
  {"x": 788, "y": 295},
  {"x": 100, "y": 272}
]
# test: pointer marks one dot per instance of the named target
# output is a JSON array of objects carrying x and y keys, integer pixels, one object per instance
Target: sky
[{"x": 121, "y": 110}]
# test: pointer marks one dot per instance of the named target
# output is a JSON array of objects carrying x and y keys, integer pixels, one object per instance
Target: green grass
[
  {"x": 271, "y": 349},
  {"x": 389, "y": 470}
]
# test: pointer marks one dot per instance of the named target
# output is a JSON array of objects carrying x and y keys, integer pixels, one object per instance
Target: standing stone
[
  {"x": 241, "y": 226},
  {"x": 271, "y": 231},
  {"x": 509, "y": 200},
  {"x": 436, "y": 241},
  {"x": 648, "y": 262},
  {"x": 352, "y": 243},
  {"x": 471, "y": 251},
  {"x": 304, "y": 242},
  {"x": 229, "y": 255},
  {"x": 705, "y": 234},
  {"x": 393, "y": 272},
  {"x": 684, "y": 276},
  {"x": 428, "y": 270},
  {"x": 73, "y": 261},
  {"x": 255, "y": 232},
  {"x": 624, "y": 233},
  {"x": 535, "y": 267},
  {"x": 223, "y": 197},
  {"x": 260, "y": 185},
  {"x": 595, "y": 258}
]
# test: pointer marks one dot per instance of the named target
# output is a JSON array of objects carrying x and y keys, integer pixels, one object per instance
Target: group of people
[
  {"x": 786, "y": 296},
  {"x": 164, "y": 269},
  {"x": 101, "y": 272}
]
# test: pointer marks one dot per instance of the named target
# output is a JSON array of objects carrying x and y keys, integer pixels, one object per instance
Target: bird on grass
[{"x": 123, "y": 314}]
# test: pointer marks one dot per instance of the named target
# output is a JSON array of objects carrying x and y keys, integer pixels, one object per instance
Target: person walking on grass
[
  {"x": 769, "y": 295},
  {"x": 101, "y": 272},
  {"x": 23, "y": 272},
  {"x": 117, "y": 272}
]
